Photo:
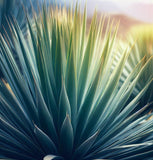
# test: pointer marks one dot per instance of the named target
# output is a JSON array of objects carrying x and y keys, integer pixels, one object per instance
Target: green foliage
[
  {"x": 14, "y": 9},
  {"x": 141, "y": 48},
  {"x": 65, "y": 101},
  {"x": 10, "y": 9}
]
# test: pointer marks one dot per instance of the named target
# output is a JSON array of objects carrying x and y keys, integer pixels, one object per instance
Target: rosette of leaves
[{"x": 66, "y": 103}]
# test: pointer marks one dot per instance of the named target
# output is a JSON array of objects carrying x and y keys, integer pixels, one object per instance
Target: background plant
[
  {"x": 65, "y": 101},
  {"x": 141, "y": 42}
]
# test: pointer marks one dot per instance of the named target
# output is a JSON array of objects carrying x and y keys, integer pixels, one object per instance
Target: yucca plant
[
  {"x": 10, "y": 9},
  {"x": 143, "y": 49},
  {"x": 65, "y": 102},
  {"x": 142, "y": 38},
  {"x": 14, "y": 8}
]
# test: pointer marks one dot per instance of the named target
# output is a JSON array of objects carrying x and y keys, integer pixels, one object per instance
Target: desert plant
[
  {"x": 14, "y": 8},
  {"x": 10, "y": 9},
  {"x": 142, "y": 38},
  {"x": 143, "y": 49},
  {"x": 66, "y": 103}
]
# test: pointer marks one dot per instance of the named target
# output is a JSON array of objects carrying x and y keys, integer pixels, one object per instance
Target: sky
[
  {"x": 130, "y": 1},
  {"x": 138, "y": 9},
  {"x": 122, "y": 2},
  {"x": 118, "y": 1}
]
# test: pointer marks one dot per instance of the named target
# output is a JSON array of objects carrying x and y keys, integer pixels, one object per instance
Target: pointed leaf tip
[{"x": 66, "y": 137}]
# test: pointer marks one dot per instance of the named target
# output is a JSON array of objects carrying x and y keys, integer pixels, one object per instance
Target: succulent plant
[
  {"x": 10, "y": 9},
  {"x": 14, "y": 8},
  {"x": 141, "y": 42},
  {"x": 143, "y": 49},
  {"x": 65, "y": 102}
]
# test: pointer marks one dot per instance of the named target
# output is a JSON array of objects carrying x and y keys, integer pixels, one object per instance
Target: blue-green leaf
[{"x": 66, "y": 137}]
